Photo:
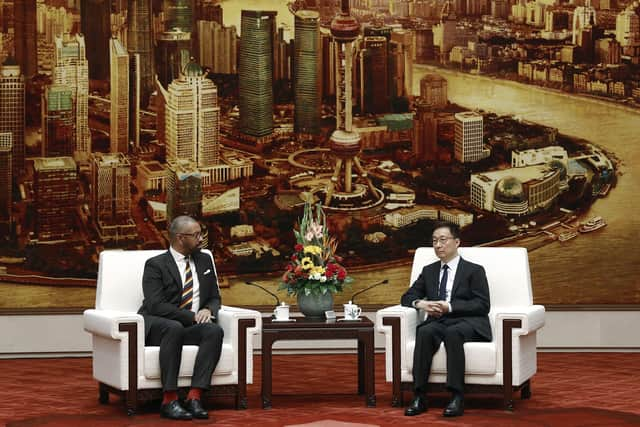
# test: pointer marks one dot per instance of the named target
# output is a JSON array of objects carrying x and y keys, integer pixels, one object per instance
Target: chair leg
[
  {"x": 103, "y": 394},
  {"x": 525, "y": 391},
  {"x": 396, "y": 400},
  {"x": 131, "y": 401}
]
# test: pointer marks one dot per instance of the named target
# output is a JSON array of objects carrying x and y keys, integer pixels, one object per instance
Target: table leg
[
  {"x": 365, "y": 338},
  {"x": 361, "y": 368},
  {"x": 267, "y": 346}
]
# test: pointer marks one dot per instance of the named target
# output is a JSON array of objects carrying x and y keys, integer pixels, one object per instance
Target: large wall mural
[{"x": 390, "y": 118}]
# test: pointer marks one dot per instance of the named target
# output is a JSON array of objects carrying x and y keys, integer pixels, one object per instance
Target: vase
[{"x": 314, "y": 306}]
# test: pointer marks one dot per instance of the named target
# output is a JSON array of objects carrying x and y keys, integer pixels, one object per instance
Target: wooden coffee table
[{"x": 315, "y": 329}]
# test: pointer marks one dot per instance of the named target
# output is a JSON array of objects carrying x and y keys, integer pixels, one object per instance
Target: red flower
[
  {"x": 294, "y": 257},
  {"x": 298, "y": 247},
  {"x": 342, "y": 274},
  {"x": 330, "y": 269}
]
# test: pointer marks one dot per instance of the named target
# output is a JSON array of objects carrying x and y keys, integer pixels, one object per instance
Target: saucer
[
  {"x": 283, "y": 320},
  {"x": 342, "y": 319}
]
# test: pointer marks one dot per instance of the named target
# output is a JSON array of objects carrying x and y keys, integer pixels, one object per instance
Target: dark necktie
[
  {"x": 187, "y": 290},
  {"x": 442, "y": 291}
]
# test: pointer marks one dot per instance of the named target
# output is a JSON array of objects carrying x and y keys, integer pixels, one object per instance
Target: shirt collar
[
  {"x": 177, "y": 256},
  {"x": 453, "y": 264}
]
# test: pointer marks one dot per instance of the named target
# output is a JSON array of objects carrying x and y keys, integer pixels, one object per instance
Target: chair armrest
[
  {"x": 408, "y": 318},
  {"x": 240, "y": 325},
  {"x": 531, "y": 318},
  {"x": 106, "y": 323},
  {"x": 398, "y": 324},
  {"x": 228, "y": 318}
]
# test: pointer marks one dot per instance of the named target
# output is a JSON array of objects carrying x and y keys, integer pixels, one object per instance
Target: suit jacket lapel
[
  {"x": 173, "y": 269},
  {"x": 435, "y": 282},
  {"x": 456, "y": 280},
  {"x": 200, "y": 269}
]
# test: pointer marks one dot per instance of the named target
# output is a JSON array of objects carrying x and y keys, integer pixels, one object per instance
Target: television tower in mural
[{"x": 342, "y": 192}]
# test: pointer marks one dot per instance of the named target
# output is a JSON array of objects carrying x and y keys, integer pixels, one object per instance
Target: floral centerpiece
[{"x": 313, "y": 273}]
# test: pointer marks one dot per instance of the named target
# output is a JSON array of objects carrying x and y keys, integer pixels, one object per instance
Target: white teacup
[
  {"x": 281, "y": 312},
  {"x": 352, "y": 311}
]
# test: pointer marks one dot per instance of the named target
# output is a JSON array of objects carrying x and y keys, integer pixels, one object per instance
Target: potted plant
[{"x": 313, "y": 273}]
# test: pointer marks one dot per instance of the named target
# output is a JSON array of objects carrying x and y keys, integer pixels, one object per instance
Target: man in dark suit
[
  {"x": 454, "y": 294},
  {"x": 180, "y": 307}
]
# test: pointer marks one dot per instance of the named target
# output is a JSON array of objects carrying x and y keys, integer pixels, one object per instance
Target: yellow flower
[
  {"x": 318, "y": 270},
  {"x": 312, "y": 249},
  {"x": 306, "y": 263}
]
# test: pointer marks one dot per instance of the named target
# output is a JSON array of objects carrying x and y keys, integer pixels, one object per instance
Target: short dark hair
[
  {"x": 179, "y": 224},
  {"x": 453, "y": 228}
]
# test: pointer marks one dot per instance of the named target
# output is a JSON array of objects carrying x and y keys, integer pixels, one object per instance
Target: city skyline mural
[{"x": 514, "y": 120}]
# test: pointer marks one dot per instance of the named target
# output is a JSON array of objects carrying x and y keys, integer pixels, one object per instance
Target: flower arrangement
[{"x": 313, "y": 267}]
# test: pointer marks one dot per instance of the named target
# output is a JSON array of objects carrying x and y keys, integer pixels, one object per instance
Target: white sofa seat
[
  {"x": 122, "y": 364},
  {"x": 514, "y": 321}
]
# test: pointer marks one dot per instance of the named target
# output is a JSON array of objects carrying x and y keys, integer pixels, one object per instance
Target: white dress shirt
[
  {"x": 453, "y": 267},
  {"x": 451, "y": 275},
  {"x": 181, "y": 261}
]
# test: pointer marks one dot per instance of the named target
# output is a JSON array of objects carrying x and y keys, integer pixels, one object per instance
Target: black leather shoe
[
  {"x": 174, "y": 411},
  {"x": 455, "y": 408},
  {"x": 417, "y": 406},
  {"x": 195, "y": 407}
]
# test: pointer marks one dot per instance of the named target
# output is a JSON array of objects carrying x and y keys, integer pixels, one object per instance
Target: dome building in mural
[
  {"x": 516, "y": 191},
  {"x": 509, "y": 197}
]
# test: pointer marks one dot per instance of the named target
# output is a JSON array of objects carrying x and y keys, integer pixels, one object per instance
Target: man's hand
[
  {"x": 433, "y": 308},
  {"x": 203, "y": 316}
]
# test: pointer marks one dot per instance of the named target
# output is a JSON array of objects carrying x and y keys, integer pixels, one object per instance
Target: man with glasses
[
  {"x": 180, "y": 307},
  {"x": 454, "y": 294}
]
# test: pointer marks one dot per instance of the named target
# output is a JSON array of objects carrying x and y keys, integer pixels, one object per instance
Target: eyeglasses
[
  {"x": 195, "y": 235},
  {"x": 441, "y": 240}
]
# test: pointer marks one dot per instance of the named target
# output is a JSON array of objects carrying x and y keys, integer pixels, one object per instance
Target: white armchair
[
  {"x": 507, "y": 363},
  {"x": 122, "y": 363}
]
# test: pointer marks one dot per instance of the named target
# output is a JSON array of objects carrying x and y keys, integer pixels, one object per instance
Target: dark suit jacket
[
  {"x": 162, "y": 288},
  {"x": 469, "y": 295}
]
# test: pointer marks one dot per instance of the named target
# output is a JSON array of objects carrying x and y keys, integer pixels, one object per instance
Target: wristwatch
[{"x": 415, "y": 302}]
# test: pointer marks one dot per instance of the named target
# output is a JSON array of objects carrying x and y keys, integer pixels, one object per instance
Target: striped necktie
[{"x": 187, "y": 290}]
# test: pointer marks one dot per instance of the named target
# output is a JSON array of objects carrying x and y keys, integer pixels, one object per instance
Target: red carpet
[{"x": 570, "y": 389}]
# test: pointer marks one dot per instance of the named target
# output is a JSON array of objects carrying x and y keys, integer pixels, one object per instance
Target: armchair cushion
[{"x": 189, "y": 352}]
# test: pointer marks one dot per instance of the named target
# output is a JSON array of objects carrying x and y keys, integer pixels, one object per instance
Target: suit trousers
[
  {"x": 454, "y": 333},
  {"x": 171, "y": 335}
]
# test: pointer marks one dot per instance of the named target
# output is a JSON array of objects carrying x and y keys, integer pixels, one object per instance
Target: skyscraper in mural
[
  {"x": 307, "y": 73},
  {"x": 58, "y": 121},
  {"x": 139, "y": 42},
  {"x": 255, "y": 72},
  {"x": 134, "y": 99},
  {"x": 119, "y": 115},
  {"x": 6, "y": 185},
  {"x": 218, "y": 47},
  {"x": 95, "y": 22},
  {"x": 111, "y": 197},
  {"x": 72, "y": 69},
  {"x": 55, "y": 182},
  {"x": 192, "y": 118},
  {"x": 468, "y": 145},
  {"x": 25, "y": 36},
  {"x": 173, "y": 49},
  {"x": 184, "y": 189},
  {"x": 12, "y": 111},
  {"x": 179, "y": 15},
  {"x": 433, "y": 90},
  {"x": 375, "y": 76}
]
